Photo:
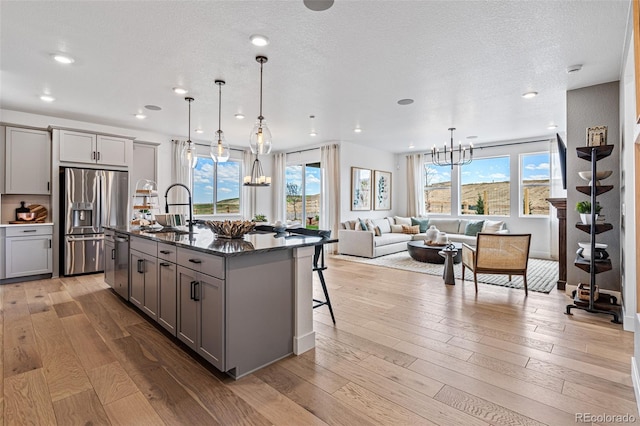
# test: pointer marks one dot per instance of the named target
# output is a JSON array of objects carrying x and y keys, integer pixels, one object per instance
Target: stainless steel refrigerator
[{"x": 91, "y": 199}]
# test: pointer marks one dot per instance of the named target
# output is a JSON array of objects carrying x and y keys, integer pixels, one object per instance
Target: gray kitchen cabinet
[
  {"x": 143, "y": 277},
  {"x": 167, "y": 287},
  {"x": 201, "y": 314},
  {"x": 28, "y": 250},
  {"x": 27, "y": 161},
  {"x": 109, "y": 260},
  {"x": 82, "y": 147}
]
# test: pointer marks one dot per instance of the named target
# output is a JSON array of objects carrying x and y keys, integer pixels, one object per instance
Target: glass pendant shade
[
  {"x": 219, "y": 149},
  {"x": 189, "y": 155},
  {"x": 260, "y": 138}
]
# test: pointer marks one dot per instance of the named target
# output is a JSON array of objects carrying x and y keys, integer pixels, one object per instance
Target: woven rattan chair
[{"x": 504, "y": 254}]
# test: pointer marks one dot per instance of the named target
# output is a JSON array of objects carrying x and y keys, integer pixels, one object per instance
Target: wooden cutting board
[{"x": 40, "y": 211}]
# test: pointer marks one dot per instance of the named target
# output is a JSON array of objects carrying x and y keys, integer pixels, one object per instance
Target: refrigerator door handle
[{"x": 84, "y": 237}]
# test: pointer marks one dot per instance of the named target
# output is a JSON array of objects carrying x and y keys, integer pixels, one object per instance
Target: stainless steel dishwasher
[{"x": 121, "y": 279}]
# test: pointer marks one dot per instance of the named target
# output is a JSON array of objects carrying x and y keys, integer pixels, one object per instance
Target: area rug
[{"x": 542, "y": 275}]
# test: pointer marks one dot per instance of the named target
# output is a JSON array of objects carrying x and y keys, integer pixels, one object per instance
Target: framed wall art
[
  {"x": 381, "y": 190},
  {"x": 360, "y": 189},
  {"x": 597, "y": 136}
]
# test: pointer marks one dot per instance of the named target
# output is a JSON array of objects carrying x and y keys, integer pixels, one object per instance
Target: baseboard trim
[{"x": 636, "y": 381}]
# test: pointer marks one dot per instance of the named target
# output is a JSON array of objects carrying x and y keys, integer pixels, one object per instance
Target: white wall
[{"x": 352, "y": 155}]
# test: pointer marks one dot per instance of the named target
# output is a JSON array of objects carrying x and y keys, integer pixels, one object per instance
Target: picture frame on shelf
[
  {"x": 596, "y": 136},
  {"x": 381, "y": 190},
  {"x": 361, "y": 182}
]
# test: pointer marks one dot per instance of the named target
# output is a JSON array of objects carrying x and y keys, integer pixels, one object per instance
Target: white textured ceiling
[{"x": 465, "y": 63}]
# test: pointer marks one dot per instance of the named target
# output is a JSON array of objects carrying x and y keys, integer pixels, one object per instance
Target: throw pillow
[
  {"x": 492, "y": 225},
  {"x": 473, "y": 228},
  {"x": 372, "y": 227},
  {"x": 402, "y": 220},
  {"x": 363, "y": 225},
  {"x": 422, "y": 223},
  {"x": 396, "y": 229},
  {"x": 383, "y": 224},
  {"x": 407, "y": 229}
]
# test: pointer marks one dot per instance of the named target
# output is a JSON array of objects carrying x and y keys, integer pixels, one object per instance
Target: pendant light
[
  {"x": 219, "y": 149},
  {"x": 189, "y": 156},
  {"x": 260, "y": 138}
]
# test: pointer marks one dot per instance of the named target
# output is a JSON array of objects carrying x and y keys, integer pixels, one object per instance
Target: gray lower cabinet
[
  {"x": 201, "y": 314},
  {"x": 168, "y": 303},
  {"x": 143, "y": 275}
]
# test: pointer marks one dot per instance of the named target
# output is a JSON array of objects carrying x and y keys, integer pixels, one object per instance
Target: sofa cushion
[
  {"x": 422, "y": 223},
  {"x": 408, "y": 229},
  {"x": 383, "y": 224},
  {"x": 396, "y": 229},
  {"x": 361, "y": 225},
  {"x": 473, "y": 227},
  {"x": 372, "y": 227},
  {"x": 390, "y": 238},
  {"x": 402, "y": 220},
  {"x": 492, "y": 226},
  {"x": 450, "y": 226}
]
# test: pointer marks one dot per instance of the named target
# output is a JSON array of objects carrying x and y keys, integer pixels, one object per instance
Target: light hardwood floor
[{"x": 406, "y": 350}]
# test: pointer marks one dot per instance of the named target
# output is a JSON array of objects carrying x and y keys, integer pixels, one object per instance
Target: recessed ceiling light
[
  {"x": 199, "y": 131},
  {"x": 152, "y": 107},
  {"x": 47, "y": 98},
  {"x": 552, "y": 126},
  {"x": 239, "y": 116},
  {"x": 411, "y": 146},
  {"x": 529, "y": 95},
  {"x": 180, "y": 90},
  {"x": 357, "y": 130},
  {"x": 472, "y": 137},
  {"x": 574, "y": 68},
  {"x": 313, "y": 133},
  {"x": 259, "y": 40},
  {"x": 405, "y": 101},
  {"x": 63, "y": 59},
  {"x": 141, "y": 116},
  {"x": 318, "y": 5}
]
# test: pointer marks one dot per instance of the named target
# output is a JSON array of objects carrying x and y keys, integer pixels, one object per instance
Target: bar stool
[{"x": 318, "y": 256}]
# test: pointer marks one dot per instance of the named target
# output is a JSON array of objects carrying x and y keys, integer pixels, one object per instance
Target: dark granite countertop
[{"x": 204, "y": 240}]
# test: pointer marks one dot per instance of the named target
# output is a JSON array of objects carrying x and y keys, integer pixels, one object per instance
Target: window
[
  {"x": 303, "y": 194},
  {"x": 437, "y": 189},
  {"x": 485, "y": 187},
  {"x": 534, "y": 184},
  {"x": 216, "y": 187}
]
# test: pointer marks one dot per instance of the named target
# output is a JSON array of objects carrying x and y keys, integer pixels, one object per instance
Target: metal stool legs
[{"x": 319, "y": 254}]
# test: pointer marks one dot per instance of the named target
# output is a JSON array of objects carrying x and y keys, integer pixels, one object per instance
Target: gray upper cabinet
[
  {"x": 27, "y": 161},
  {"x": 81, "y": 147}
]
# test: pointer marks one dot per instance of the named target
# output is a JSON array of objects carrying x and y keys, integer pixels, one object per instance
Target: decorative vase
[
  {"x": 586, "y": 218},
  {"x": 442, "y": 238},
  {"x": 432, "y": 233}
]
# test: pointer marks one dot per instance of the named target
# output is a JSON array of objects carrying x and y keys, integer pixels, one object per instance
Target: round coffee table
[{"x": 421, "y": 252}]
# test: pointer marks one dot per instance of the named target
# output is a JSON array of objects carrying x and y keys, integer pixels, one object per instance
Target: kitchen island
[{"x": 239, "y": 303}]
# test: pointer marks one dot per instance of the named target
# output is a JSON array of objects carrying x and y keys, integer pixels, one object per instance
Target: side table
[{"x": 448, "y": 253}]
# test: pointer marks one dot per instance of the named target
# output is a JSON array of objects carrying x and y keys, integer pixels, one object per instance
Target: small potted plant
[
  {"x": 260, "y": 218},
  {"x": 584, "y": 208}
]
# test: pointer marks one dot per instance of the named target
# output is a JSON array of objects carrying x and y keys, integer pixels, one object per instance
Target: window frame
[
  {"x": 460, "y": 185},
  {"x": 521, "y": 186},
  {"x": 214, "y": 200},
  {"x": 424, "y": 188}
]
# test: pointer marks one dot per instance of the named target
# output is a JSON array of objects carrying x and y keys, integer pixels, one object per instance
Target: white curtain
[
  {"x": 278, "y": 185},
  {"x": 179, "y": 174},
  {"x": 415, "y": 188},
  {"x": 248, "y": 192},
  {"x": 330, "y": 202}
]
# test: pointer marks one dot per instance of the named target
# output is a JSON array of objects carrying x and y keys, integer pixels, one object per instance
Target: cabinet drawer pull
[
  {"x": 196, "y": 296},
  {"x": 140, "y": 266},
  {"x": 113, "y": 253},
  {"x": 165, "y": 264},
  {"x": 191, "y": 293},
  {"x": 29, "y": 230},
  {"x": 93, "y": 155},
  {"x": 48, "y": 184},
  {"x": 49, "y": 243},
  {"x": 98, "y": 156},
  {"x": 197, "y": 261},
  {"x": 165, "y": 252}
]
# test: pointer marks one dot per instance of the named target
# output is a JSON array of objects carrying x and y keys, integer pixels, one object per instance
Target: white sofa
[{"x": 353, "y": 240}]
